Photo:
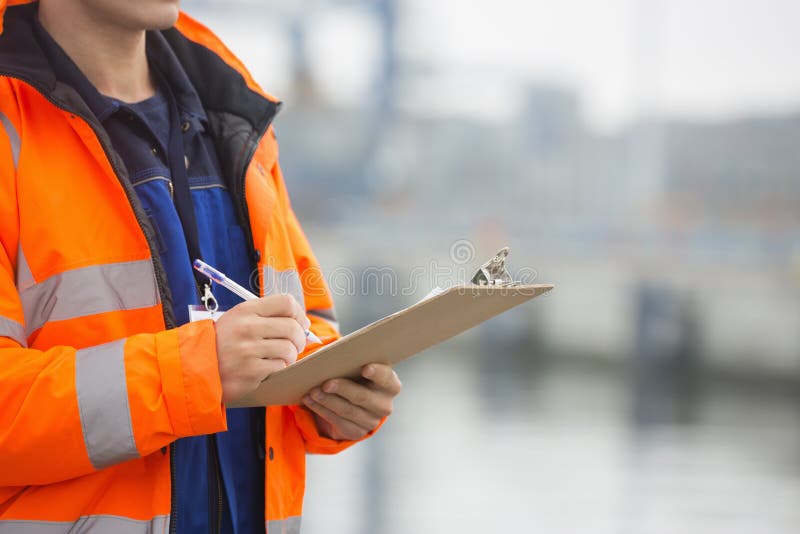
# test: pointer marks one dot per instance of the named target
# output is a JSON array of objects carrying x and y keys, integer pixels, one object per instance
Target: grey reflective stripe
[
  {"x": 324, "y": 313},
  {"x": 327, "y": 314},
  {"x": 89, "y": 523},
  {"x": 90, "y": 290},
  {"x": 25, "y": 277},
  {"x": 290, "y": 525},
  {"x": 13, "y": 137},
  {"x": 103, "y": 404},
  {"x": 14, "y": 330},
  {"x": 276, "y": 282}
]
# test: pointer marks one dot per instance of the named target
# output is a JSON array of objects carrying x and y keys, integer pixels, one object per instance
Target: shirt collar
[
  {"x": 160, "y": 56},
  {"x": 163, "y": 58}
]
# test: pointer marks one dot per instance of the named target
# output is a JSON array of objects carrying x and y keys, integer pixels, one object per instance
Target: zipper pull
[{"x": 171, "y": 190}]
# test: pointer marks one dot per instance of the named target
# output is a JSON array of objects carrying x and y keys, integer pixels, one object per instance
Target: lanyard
[{"x": 182, "y": 195}]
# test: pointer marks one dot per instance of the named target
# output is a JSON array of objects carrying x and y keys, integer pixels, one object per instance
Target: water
[{"x": 505, "y": 443}]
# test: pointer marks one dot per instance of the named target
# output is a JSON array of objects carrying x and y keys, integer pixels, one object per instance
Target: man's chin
[{"x": 165, "y": 19}]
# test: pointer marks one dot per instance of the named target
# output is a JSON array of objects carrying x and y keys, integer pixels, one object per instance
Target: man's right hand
[{"x": 255, "y": 339}]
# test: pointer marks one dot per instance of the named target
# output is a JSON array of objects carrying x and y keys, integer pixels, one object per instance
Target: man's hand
[
  {"x": 349, "y": 410},
  {"x": 255, "y": 339}
]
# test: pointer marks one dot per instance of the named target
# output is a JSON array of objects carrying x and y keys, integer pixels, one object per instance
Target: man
[{"x": 132, "y": 142}]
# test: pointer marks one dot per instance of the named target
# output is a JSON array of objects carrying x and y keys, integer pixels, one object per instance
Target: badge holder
[{"x": 208, "y": 310}]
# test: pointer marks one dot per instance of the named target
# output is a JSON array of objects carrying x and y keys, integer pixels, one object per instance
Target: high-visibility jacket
[{"x": 95, "y": 380}]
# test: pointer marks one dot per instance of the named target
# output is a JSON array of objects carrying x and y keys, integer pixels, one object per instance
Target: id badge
[{"x": 200, "y": 313}]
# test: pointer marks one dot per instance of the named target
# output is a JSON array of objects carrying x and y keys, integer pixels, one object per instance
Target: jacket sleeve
[
  {"x": 319, "y": 306},
  {"x": 70, "y": 411}
]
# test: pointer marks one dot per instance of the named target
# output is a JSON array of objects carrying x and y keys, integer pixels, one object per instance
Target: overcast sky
[
  {"x": 686, "y": 57},
  {"x": 691, "y": 58}
]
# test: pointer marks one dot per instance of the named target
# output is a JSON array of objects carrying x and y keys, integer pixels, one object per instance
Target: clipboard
[{"x": 393, "y": 338}]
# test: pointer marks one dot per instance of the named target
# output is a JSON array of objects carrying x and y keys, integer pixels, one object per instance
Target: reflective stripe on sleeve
[
  {"x": 25, "y": 278},
  {"x": 103, "y": 404},
  {"x": 290, "y": 525},
  {"x": 279, "y": 282},
  {"x": 14, "y": 330},
  {"x": 90, "y": 523},
  {"x": 13, "y": 137},
  {"x": 90, "y": 290},
  {"x": 326, "y": 314}
]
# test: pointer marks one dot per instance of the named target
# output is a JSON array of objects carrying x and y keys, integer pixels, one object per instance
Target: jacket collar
[
  {"x": 20, "y": 54},
  {"x": 4, "y": 4}
]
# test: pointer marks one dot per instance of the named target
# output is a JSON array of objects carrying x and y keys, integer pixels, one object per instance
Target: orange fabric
[
  {"x": 99, "y": 327},
  {"x": 137, "y": 489},
  {"x": 39, "y": 402},
  {"x": 86, "y": 202},
  {"x": 78, "y": 217},
  {"x": 185, "y": 396}
]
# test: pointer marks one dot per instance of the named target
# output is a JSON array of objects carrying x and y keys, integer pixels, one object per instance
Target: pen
[{"x": 236, "y": 289}]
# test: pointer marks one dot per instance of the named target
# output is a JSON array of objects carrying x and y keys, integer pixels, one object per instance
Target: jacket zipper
[
  {"x": 219, "y": 501},
  {"x": 214, "y": 452},
  {"x": 169, "y": 320},
  {"x": 173, "y": 492}
]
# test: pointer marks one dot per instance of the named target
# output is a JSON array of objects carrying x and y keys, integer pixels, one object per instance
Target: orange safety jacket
[{"x": 95, "y": 380}]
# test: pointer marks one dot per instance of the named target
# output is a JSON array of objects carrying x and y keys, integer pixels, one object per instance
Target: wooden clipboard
[{"x": 393, "y": 339}]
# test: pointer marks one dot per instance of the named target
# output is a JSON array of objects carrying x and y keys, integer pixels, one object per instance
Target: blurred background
[{"x": 641, "y": 155}]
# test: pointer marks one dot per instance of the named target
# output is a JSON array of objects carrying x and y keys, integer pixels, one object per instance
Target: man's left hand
[{"x": 348, "y": 410}]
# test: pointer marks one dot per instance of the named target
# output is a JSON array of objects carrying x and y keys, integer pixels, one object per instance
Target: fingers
[
  {"x": 247, "y": 359},
  {"x": 277, "y": 349},
  {"x": 346, "y": 409},
  {"x": 279, "y": 306},
  {"x": 339, "y": 426},
  {"x": 245, "y": 378},
  {"x": 267, "y": 366},
  {"x": 279, "y": 328},
  {"x": 375, "y": 401},
  {"x": 366, "y": 415},
  {"x": 249, "y": 327},
  {"x": 352, "y": 409},
  {"x": 382, "y": 377}
]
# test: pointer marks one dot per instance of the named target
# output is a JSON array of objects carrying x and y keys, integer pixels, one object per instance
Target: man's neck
[{"x": 113, "y": 58}]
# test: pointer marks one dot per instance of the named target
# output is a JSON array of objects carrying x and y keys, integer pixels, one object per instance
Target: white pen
[{"x": 236, "y": 289}]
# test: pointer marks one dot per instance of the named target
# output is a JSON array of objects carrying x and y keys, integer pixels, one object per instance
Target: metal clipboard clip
[{"x": 494, "y": 271}]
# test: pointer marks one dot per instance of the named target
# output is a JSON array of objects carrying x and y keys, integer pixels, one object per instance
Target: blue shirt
[{"x": 224, "y": 470}]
